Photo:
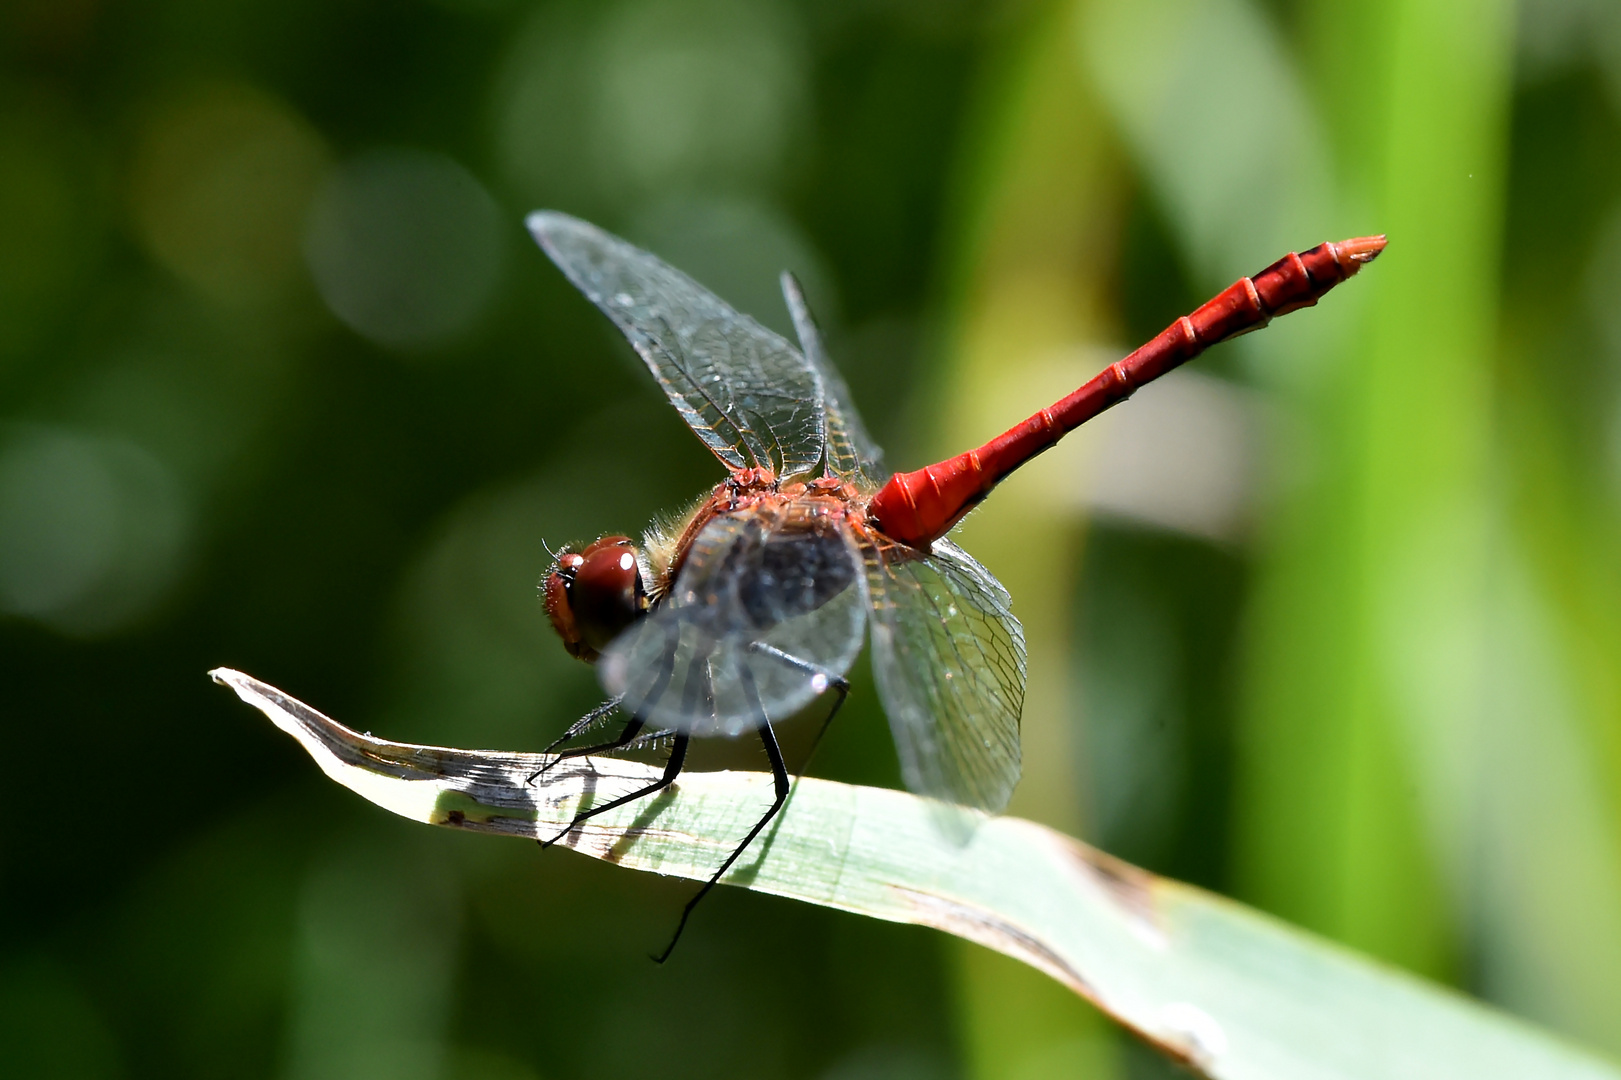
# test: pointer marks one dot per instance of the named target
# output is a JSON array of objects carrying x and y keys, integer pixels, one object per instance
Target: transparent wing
[
  {"x": 746, "y": 392},
  {"x": 763, "y": 616},
  {"x": 851, "y": 453},
  {"x": 949, "y": 659}
]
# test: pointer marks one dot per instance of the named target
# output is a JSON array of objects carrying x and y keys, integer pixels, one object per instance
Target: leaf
[{"x": 1230, "y": 991}]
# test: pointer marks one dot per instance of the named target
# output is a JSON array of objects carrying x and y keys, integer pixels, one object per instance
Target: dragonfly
[{"x": 754, "y": 603}]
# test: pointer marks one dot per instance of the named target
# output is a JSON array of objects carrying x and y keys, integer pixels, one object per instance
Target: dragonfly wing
[
  {"x": 949, "y": 660},
  {"x": 760, "y": 621},
  {"x": 850, "y": 450},
  {"x": 745, "y": 391}
]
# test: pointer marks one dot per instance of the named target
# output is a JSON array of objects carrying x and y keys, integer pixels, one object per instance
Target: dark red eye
[{"x": 593, "y": 595}]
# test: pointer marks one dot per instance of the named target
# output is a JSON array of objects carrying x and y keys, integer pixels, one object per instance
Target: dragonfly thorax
[{"x": 594, "y": 594}]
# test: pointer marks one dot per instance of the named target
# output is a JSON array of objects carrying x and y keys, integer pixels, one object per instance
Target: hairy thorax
[{"x": 821, "y": 505}]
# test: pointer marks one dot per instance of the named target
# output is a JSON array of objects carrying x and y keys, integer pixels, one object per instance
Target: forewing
[
  {"x": 760, "y": 621},
  {"x": 746, "y": 392},
  {"x": 949, "y": 660},
  {"x": 851, "y": 453}
]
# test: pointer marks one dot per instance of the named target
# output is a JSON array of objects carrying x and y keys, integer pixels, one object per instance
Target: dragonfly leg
[
  {"x": 779, "y": 774},
  {"x": 585, "y": 723},
  {"x": 629, "y": 734},
  {"x": 672, "y": 768},
  {"x": 632, "y": 728},
  {"x": 843, "y": 689},
  {"x": 835, "y": 682},
  {"x": 633, "y": 737},
  {"x": 648, "y": 738},
  {"x": 697, "y": 685}
]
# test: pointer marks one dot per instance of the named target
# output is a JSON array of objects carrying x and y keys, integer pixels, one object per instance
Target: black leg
[
  {"x": 779, "y": 774},
  {"x": 585, "y": 723},
  {"x": 833, "y": 679},
  {"x": 836, "y": 683},
  {"x": 632, "y": 736},
  {"x": 842, "y": 687},
  {"x": 648, "y": 738},
  {"x": 632, "y": 727},
  {"x": 626, "y": 736},
  {"x": 672, "y": 768},
  {"x": 697, "y": 685}
]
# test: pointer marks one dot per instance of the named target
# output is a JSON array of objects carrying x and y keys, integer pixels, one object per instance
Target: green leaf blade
[{"x": 1234, "y": 993}]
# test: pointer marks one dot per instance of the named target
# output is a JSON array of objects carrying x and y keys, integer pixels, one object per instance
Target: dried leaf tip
[{"x": 1360, "y": 249}]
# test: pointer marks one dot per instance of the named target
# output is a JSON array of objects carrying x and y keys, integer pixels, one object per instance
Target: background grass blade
[{"x": 1231, "y": 992}]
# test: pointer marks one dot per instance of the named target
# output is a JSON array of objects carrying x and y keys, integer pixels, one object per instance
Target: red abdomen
[{"x": 919, "y": 507}]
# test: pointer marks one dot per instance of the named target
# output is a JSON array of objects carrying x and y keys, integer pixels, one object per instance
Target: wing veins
[
  {"x": 953, "y": 746},
  {"x": 766, "y": 400},
  {"x": 958, "y": 737},
  {"x": 679, "y": 361}
]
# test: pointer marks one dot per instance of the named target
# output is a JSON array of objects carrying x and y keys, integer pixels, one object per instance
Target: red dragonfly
[{"x": 755, "y": 603}]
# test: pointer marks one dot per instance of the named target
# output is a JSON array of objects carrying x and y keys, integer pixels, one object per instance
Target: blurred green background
[{"x": 1330, "y": 623}]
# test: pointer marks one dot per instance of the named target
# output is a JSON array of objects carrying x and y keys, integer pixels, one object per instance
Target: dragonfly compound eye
[{"x": 593, "y": 595}]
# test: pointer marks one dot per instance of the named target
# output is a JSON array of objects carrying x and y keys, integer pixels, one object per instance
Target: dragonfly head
[{"x": 594, "y": 594}]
